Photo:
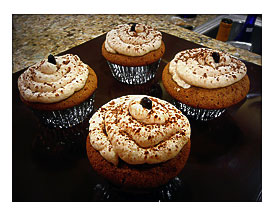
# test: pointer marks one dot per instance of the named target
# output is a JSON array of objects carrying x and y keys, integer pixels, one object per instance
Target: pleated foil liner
[
  {"x": 68, "y": 117},
  {"x": 134, "y": 75},
  {"x": 197, "y": 113}
]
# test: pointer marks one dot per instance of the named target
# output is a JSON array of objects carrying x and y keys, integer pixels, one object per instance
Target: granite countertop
[{"x": 34, "y": 37}]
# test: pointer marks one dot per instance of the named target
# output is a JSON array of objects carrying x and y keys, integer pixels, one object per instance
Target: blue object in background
[{"x": 247, "y": 29}]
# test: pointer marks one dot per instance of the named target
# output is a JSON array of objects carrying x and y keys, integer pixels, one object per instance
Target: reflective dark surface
[{"x": 225, "y": 162}]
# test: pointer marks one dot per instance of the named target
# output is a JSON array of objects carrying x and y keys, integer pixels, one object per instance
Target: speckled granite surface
[{"x": 35, "y": 36}]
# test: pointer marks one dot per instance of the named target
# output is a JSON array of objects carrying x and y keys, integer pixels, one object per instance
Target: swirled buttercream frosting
[
  {"x": 206, "y": 68},
  {"x": 124, "y": 129},
  {"x": 47, "y": 82},
  {"x": 133, "y": 39}
]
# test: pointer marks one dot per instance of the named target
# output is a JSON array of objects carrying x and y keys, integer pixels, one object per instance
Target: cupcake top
[
  {"x": 53, "y": 79},
  {"x": 138, "y": 129},
  {"x": 206, "y": 68},
  {"x": 133, "y": 39}
]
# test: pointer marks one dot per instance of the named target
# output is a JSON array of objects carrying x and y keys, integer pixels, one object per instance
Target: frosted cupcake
[
  {"x": 205, "y": 82},
  {"x": 133, "y": 52},
  {"x": 138, "y": 141},
  {"x": 60, "y": 90}
]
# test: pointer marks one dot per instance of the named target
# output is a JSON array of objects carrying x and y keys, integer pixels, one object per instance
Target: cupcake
[
  {"x": 133, "y": 52},
  {"x": 60, "y": 90},
  {"x": 204, "y": 82},
  {"x": 138, "y": 142}
]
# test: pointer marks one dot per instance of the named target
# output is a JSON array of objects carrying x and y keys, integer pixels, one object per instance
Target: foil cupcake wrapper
[
  {"x": 134, "y": 75},
  {"x": 197, "y": 113},
  {"x": 68, "y": 117}
]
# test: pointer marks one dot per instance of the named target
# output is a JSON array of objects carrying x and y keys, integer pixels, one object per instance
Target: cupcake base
[
  {"x": 134, "y": 75},
  {"x": 197, "y": 113},
  {"x": 68, "y": 117},
  {"x": 140, "y": 177}
]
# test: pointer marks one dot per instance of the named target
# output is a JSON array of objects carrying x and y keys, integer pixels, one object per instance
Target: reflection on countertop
[{"x": 36, "y": 36}]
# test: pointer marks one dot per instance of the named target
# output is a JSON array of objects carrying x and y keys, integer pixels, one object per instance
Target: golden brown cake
[
  {"x": 59, "y": 89},
  {"x": 133, "y": 52},
  {"x": 140, "y": 176},
  {"x": 138, "y": 141},
  {"x": 75, "y": 99},
  {"x": 206, "y": 98},
  {"x": 205, "y": 79},
  {"x": 130, "y": 61}
]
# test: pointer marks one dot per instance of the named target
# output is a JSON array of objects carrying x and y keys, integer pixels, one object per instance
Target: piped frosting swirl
[
  {"x": 129, "y": 41},
  {"x": 46, "y": 82},
  {"x": 124, "y": 129},
  {"x": 206, "y": 68}
]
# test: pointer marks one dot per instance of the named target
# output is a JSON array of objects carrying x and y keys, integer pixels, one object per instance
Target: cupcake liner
[
  {"x": 198, "y": 113},
  {"x": 60, "y": 146},
  {"x": 134, "y": 75},
  {"x": 108, "y": 192},
  {"x": 68, "y": 117}
]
